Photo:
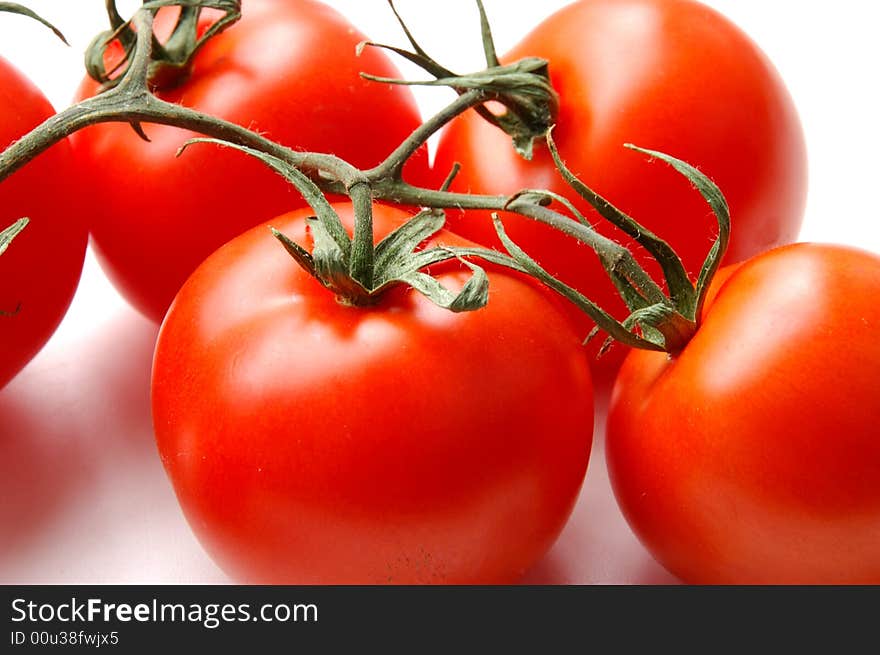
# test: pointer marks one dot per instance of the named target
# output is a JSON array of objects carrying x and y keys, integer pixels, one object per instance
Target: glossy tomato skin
[
  {"x": 753, "y": 455},
  {"x": 287, "y": 69},
  {"x": 669, "y": 75},
  {"x": 40, "y": 270},
  {"x": 311, "y": 442}
]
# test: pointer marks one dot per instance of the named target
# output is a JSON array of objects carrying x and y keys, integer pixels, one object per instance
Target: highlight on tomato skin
[
  {"x": 272, "y": 72},
  {"x": 311, "y": 442},
  {"x": 40, "y": 270},
  {"x": 669, "y": 75},
  {"x": 752, "y": 457}
]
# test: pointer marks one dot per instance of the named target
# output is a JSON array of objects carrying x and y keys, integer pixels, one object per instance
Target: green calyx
[
  {"x": 523, "y": 88},
  {"x": 358, "y": 272},
  {"x": 170, "y": 61},
  {"x": 658, "y": 319}
]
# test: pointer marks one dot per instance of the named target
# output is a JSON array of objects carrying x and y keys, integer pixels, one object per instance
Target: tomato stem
[
  {"x": 170, "y": 62},
  {"x": 362, "y": 253},
  {"x": 392, "y": 167},
  {"x": 357, "y": 270},
  {"x": 523, "y": 88}
]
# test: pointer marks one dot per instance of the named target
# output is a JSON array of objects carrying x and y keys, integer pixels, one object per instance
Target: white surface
[{"x": 84, "y": 497}]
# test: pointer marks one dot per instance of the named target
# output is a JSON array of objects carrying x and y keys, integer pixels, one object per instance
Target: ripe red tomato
[
  {"x": 287, "y": 69},
  {"x": 669, "y": 75},
  {"x": 313, "y": 442},
  {"x": 753, "y": 455},
  {"x": 40, "y": 270}
]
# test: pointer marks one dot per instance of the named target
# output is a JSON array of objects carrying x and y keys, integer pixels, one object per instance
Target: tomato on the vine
[
  {"x": 752, "y": 456},
  {"x": 287, "y": 69},
  {"x": 669, "y": 75},
  {"x": 313, "y": 442},
  {"x": 40, "y": 270}
]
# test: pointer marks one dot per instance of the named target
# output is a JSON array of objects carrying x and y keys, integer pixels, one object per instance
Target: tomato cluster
[{"x": 333, "y": 415}]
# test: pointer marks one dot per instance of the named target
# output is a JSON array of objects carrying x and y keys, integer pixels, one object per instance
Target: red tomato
[
  {"x": 753, "y": 455},
  {"x": 669, "y": 75},
  {"x": 40, "y": 270},
  {"x": 287, "y": 69},
  {"x": 312, "y": 442}
]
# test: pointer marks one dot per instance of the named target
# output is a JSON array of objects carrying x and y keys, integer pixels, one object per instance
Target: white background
[{"x": 84, "y": 498}]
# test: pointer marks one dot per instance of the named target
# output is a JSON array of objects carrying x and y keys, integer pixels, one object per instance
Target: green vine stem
[
  {"x": 523, "y": 88},
  {"x": 359, "y": 271},
  {"x": 170, "y": 61}
]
